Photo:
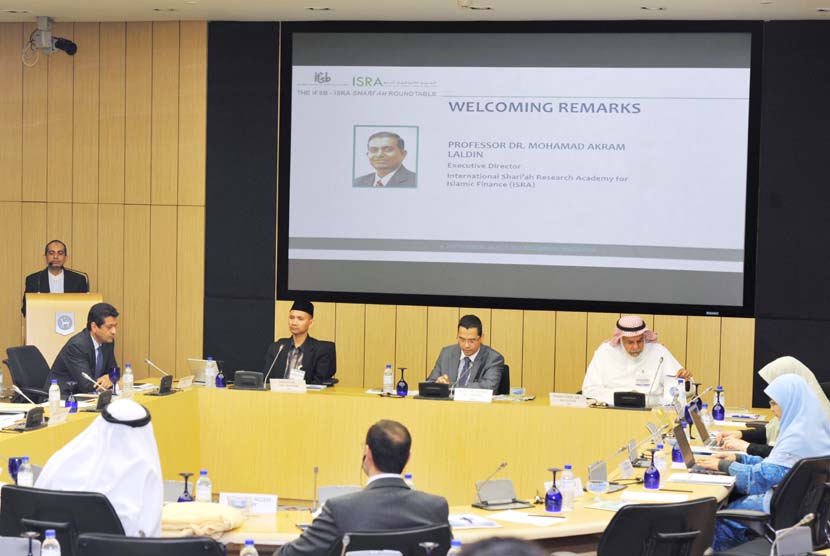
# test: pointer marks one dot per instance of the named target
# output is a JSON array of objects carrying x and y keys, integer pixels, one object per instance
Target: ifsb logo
[
  {"x": 322, "y": 77},
  {"x": 366, "y": 81}
]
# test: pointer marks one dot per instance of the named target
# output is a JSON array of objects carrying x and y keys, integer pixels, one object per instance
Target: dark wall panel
[{"x": 241, "y": 191}]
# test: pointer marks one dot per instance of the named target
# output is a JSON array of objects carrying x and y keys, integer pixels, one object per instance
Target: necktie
[
  {"x": 464, "y": 375},
  {"x": 379, "y": 183},
  {"x": 99, "y": 362}
]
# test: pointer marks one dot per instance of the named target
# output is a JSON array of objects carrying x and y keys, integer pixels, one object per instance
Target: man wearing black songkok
[{"x": 315, "y": 360}]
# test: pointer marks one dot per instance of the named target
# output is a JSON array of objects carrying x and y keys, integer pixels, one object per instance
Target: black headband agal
[
  {"x": 135, "y": 423},
  {"x": 631, "y": 328}
]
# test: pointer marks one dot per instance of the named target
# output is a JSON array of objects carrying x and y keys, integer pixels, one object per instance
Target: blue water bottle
[
  {"x": 651, "y": 478},
  {"x": 553, "y": 498}
]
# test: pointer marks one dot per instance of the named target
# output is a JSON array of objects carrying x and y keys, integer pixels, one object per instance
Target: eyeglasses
[
  {"x": 61, "y": 252},
  {"x": 468, "y": 341}
]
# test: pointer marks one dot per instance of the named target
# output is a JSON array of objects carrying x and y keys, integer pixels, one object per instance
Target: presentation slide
[{"x": 574, "y": 182}]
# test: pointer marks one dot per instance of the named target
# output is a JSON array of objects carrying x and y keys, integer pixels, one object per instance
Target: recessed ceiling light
[
  {"x": 319, "y": 9},
  {"x": 653, "y": 8},
  {"x": 191, "y": 2},
  {"x": 766, "y": 2},
  {"x": 164, "y": 9},
  {"x": 482, "y": 8},
  {"x": 16, "y": 11}
]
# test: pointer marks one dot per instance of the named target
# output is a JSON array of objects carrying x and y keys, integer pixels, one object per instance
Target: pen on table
[
  {"x": 675, "y": 490},
  {"x": 548, "y": 515}
]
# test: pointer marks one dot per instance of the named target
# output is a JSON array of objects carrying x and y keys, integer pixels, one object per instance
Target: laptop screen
[
  {"x": 701, "y": 428},
  {"x": 685, "y": 447}
]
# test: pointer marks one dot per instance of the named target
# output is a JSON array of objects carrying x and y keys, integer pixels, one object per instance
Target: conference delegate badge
[{"x": 65, "y": 323}]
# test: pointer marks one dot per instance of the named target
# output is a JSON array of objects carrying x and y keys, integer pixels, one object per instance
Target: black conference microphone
[
  {"x": 501, "y": 466},
  {"x": 271, "y": 368}
]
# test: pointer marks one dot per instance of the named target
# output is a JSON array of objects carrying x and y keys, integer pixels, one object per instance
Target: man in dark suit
[
  {"x": 387, "y": 503},
  {"x": 470, "y": 364},
  {"x": 91, "y": 351},
  {"x": 315, "y": 360},
  {"x": 386, "y": 153},
  {"x": 55, "y": 278}
]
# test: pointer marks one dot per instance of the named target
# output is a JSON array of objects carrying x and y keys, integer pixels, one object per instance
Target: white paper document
[
  {"x": 701, "y": 479},
  {"x": 512, "y": 516},
  {"x": 640, "y": 496},
  {"x": 471, "y": 521}
]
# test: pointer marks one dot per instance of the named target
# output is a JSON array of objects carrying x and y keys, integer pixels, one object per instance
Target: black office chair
[
  {"x": 825, "y": 387},
  {"x": 96, "y": 544},
  {"x": 805, "y": 489},
  {"x": 403, "y": 540},
  {"x": 682, "y": 529},
  {"x": 29, "y": 371},
  {"x": 504, "y": 383},
  {"x": 68, "y": 513}
]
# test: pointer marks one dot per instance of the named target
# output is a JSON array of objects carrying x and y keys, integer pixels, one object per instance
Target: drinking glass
[
  {"x": 185, "y": 496},
  {"x": 71, "y": 402},
  {"x": 114, "y": 374},
  {"x": 428, "y": 546},
  {"x": 402, "y": 388},
  {"x": 598, "y": 487},
  {"x": 14, "y": 466}
]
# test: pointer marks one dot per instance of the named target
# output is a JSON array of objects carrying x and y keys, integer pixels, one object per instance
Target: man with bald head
[{"x": 631, "y": 361}]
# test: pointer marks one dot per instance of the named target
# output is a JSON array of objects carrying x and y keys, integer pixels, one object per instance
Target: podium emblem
[{"x": 64, "y": 323}]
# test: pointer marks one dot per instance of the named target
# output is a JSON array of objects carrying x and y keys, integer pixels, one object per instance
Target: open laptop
[
  {"x": 709, "y": 441},
  {"x": 197, "y": 369},
  {"x": 688, "y": 455}
]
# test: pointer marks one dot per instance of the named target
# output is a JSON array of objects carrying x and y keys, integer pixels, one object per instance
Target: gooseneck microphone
[
  {"x": 271, "y": 368},
  {"x": 156, "y": 367},
  {"x": 92, "y": 380},
  {"x": 654, "y": 378},
  {"x": 314, "y": 498},
  {"x": 501, "y": 466},
  {"x": 19, "y": 391}
]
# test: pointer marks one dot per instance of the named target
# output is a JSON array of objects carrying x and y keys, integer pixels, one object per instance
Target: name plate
[
  {"x": 288, "y": 385},
  {"x": 58, "y": 416},
  {"x": 567, "y": 400},
  {"x": 626, "y": 469},
  {"x": 480, "y": 395},
  {"x": 185, "y": 382},
  {"x": 260, "y": 504}
]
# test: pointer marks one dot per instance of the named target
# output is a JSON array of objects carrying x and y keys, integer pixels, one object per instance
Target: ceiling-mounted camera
[{"x": 42, "y": 40}]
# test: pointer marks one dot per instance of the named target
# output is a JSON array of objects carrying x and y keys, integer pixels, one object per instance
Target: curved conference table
[{"x": 257, "y": 441}]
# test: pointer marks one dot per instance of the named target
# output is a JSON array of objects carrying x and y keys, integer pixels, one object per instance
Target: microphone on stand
[
  {"x": 314, "y": 500},
  {"x": 19, "y": 391},
  {"x": 156, "y": 367},
  {"x": 93, "y": 381},
  {"x": 271, "y": 368},
  {"x": 501, "y": 466}
]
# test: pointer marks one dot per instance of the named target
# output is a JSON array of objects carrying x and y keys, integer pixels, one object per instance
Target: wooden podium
[{"x": 53, "y": 318}]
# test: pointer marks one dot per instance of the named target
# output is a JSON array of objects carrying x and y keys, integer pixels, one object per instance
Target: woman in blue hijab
[{"x": 804, "y": 433}]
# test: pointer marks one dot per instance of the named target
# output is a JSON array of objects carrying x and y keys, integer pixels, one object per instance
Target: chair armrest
[{"x": 754, "y": 520}]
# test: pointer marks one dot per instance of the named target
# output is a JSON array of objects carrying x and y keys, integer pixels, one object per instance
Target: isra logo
[
  {"x": 366, "y": 81},
  {"x": 321, "y": 77}
]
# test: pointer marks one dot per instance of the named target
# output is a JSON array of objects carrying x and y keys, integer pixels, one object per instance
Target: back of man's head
[
  {"x": 389, "y": 442},
  {"x": 502, "y": 546}
]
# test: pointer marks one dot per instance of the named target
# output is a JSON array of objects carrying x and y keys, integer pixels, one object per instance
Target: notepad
[{"x": 700, "y": 479}]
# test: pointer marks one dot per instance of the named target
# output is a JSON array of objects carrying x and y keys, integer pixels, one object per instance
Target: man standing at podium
[
  {"x": 55, "y": 278},
  {"x": 313, "y": 360},
  {"x": 91, "y": 351}
]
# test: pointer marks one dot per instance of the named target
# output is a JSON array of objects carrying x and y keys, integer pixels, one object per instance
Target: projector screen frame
[{"x": 753, "y": 28}]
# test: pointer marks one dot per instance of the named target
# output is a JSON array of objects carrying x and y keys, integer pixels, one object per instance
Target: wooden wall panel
[
  {"x": 703, "y": 349},
  {"x": 380, "y": 343},
  {"x": 411, "y": 343},
  {"x": 59, "y": 226},
  {"x": 539, "y": 358},
  {"x": 190, "y": 285},
  {"x": 110, "y": 277},
  {"x": 671, "y": 332},
  {"x": 281, "y": 319},
  {"x": 350, "y": 334},
  {"x": 192, "y": 112},
  {"x": 85, "y": 241},
  {"x": 325, "y": 316},
  {"x": 33, "y": 238},
  {"x": 163, "y": 271},
  {"x": 165, "y": 114},
  {"x": 571, "y": 346},
  {"x": 112, "y": 113},
  {"x": 33, "y": 149},
  {"x": 484, "y": 314},
  {"x": 600, "y": 327},
  {"x": 507, "y": 338},
  {"x": 85, "y": 97},
  {"x": 138, "y": 108},
  {"x": 737, "y": 360},
  {"x": 60, "y": 107},
  {"x": 442, "y": 331},
  {"x": 11, "y": 278},
  {"x": 11, "y": 112},
  {"x": 134, "y": 322}
]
